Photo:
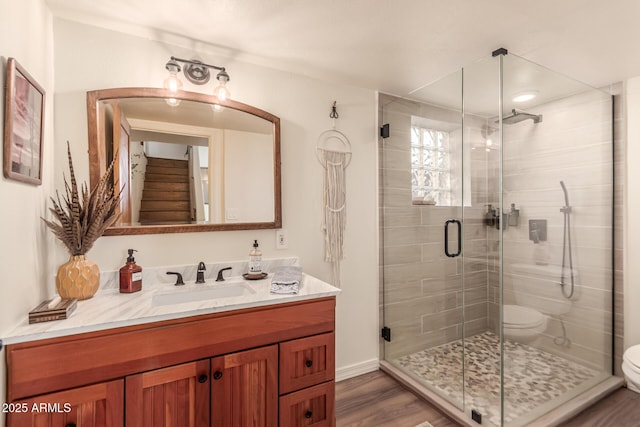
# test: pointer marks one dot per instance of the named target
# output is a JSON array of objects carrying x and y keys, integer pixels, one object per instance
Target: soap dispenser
[
  {"x": 255, "y": 260},
  {"x": 130, "y": 275}
]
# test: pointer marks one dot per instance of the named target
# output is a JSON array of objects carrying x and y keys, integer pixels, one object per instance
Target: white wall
[
  {"x": 26, "y": 34},
  {"x": 165, "y": 150},
  {"x": 248, "y": 170},
  {"x": 632, "y": 227},
  {"x": 111, "y": 59}
]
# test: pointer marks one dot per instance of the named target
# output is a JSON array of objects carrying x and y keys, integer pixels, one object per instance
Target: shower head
[{"x": 517, "y": 116}]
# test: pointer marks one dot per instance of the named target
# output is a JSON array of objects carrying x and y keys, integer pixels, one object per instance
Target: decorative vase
[{"x": 78, "y": 278}]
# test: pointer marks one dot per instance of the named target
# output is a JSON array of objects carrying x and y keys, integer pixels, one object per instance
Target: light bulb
[
  {"x": 221, "y": 92},
  {"x": 489, "y": 142},
  {"x": 173, "y": 83}
]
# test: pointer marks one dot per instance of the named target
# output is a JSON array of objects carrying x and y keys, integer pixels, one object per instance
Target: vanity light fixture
[{"x": 196, "y": 72}]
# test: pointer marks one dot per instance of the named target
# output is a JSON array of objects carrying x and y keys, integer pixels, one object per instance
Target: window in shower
[{"x": 430, "y": 173}]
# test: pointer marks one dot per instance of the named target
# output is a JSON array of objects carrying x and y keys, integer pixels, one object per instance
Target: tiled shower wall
[
  {"x": 422, "y": 286},
  {"x": 572, "y": 144}
]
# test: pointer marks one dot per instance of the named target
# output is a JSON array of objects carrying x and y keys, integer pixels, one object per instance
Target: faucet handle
[
  {"x": 220, "y": 277},
  {"x": 179, "y": 281}
]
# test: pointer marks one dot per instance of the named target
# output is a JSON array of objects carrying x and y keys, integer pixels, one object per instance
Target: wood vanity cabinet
[
  {"x": 259, "y": 367},
  {"x": 95, "y": 405},
  {"x": 174, "y": 396}
]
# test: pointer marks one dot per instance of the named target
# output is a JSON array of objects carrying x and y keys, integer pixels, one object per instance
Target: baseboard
[{"x": 357, "y": 369}]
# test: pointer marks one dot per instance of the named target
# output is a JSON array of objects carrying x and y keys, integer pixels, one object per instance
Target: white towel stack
[{"x": 286, "y": 280}]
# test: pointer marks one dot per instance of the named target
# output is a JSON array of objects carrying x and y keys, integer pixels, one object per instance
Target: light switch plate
[{"x": 282, "y": 240}]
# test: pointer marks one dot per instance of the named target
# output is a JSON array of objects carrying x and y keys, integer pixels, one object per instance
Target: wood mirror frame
[{"x": 98, "y": 161}]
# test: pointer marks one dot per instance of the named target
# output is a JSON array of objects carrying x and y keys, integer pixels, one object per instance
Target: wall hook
[{"x": 334, "y": 111}]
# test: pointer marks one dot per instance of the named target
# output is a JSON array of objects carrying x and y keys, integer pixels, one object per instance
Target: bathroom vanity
[{"x": 268, "y": 363}]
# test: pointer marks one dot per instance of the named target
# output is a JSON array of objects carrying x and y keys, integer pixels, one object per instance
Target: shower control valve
[{"x": 538, "y": 230}]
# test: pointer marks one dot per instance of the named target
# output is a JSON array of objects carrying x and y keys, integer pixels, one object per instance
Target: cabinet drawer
[
  {"x": 307, "y": 361},
  {"x": 313, "y": 406}
]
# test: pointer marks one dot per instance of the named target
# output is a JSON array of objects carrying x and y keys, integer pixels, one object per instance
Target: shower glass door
[
  {"x": 422, "y": 189},
  {"x": 481, "y": 299}
]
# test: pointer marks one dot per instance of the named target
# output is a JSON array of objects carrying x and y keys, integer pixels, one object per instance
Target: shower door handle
[{"x": 446, "y": 237}]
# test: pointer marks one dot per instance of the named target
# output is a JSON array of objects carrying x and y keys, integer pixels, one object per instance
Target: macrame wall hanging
[{"x": 334, "y": 153}]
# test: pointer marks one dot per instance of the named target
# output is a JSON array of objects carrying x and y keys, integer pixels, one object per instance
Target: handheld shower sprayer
[
  {"x": 566, "y": 244},
  {"x": 566, "y": 194}
]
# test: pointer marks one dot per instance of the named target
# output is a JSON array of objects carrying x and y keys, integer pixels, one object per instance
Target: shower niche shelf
[{"x": 493, "y": 219}]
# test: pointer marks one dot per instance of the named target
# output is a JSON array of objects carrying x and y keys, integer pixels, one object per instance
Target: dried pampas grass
[{"x": 81, "y": 220}]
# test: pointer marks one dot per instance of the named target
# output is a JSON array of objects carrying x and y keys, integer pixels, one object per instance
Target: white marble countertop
[{"x": 111, "y": 309}]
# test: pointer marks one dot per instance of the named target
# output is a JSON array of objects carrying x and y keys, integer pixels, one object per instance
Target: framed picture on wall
[{"x": 23, "y": 125}]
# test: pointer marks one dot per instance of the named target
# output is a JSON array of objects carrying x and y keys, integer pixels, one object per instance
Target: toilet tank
[{"x": 538, "y": 287}]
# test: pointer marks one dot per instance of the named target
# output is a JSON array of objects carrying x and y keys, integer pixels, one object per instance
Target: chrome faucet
[{"x": 200, "y": 273}]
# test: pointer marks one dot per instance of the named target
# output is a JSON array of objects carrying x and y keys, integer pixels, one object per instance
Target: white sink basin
[{"x": 194, "y": 293}]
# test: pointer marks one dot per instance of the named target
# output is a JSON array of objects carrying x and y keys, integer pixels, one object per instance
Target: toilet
[
  {"x": 631, "y": 367},
  {"x": 526, "y": 314},
  {"x": 523, "y": 324}
]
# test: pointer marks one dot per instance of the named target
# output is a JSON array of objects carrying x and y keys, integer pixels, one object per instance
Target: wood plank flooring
[
  {"x": 376, "y": 399},
  {"x": 619, "y": 409}
]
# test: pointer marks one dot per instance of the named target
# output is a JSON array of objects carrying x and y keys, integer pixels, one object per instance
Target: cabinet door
[
  {"x": 99, "y": 405},
  {"x": 244, "y": 390},
  {"x": 175, "y": 396}
]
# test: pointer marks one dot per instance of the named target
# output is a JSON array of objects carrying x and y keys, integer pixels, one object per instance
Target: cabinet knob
[
  {"x": 308, "y": 363},
  {"x": 70, "y": 425},
  {"x": 203, "y": 378},
  {"x": 217, "y": 375},
  {"x": 308, "y": 414}
]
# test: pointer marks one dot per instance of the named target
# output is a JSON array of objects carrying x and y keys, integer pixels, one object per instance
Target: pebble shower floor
[{"x": 532, "y": 377}]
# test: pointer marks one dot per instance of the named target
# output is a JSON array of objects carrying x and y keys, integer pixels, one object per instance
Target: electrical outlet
[{"x": 282, "y": 242}]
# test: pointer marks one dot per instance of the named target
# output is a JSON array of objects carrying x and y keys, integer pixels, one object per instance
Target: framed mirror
[{"x": 185, "y": 162}]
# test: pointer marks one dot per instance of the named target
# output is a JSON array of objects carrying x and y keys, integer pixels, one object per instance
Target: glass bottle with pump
[
  {"x": 255, "y": 260},
  {"x": 130, "y": 275}
]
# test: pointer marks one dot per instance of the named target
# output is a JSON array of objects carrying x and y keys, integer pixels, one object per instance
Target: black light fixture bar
[{"x": 197, "y": 72}]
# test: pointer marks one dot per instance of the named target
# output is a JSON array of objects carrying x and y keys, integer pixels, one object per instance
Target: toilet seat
[{"x": 520, "y": 317}]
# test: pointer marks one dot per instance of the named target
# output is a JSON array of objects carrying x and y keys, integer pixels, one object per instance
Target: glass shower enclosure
[{"x": 496, "y": 225}]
